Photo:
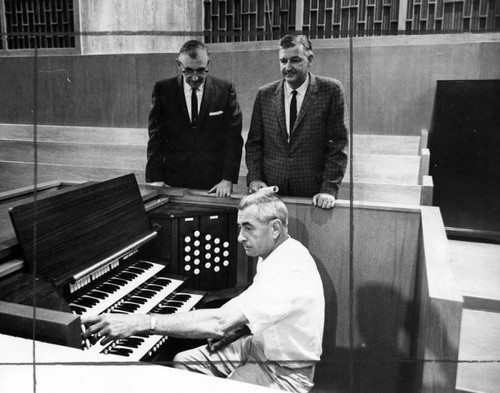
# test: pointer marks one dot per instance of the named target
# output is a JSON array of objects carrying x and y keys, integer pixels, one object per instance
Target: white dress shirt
[
  {"x": 285, "y": 305},
  {"x": 187, "y": 96}
]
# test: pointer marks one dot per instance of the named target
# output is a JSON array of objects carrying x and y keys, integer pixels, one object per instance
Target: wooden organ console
[
  {"x": 85, "y": 249},
  {"x": 394, "y": 327}
]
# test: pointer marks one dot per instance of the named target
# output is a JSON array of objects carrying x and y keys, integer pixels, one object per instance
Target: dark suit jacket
[
  {"x": 315, "y": 159},
  {"x": 200, "y": 157}
]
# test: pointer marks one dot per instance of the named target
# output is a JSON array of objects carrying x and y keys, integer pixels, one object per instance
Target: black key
[
  {"x": 77, "y": 309},
  {"x": 154, "y": 287},
  {"x": 162, "y": 281},
  {"x": 138, "y": 300},
  {"x": 98, "y": 294},
  {"x": 118, "y": 281},
  {"x": 120, "y": 351},
  {"x": 181, "y": 297},
  {"x": 147, "y": 293},
  {"x": 126, "y": 307},
  {"x": 166, "y": 310},
  {"x": 143, "y": 265},
  {"x": 135, "y": 270},
  {"x": 109, "y": 288},
  {"x": 127, "y": 276}
]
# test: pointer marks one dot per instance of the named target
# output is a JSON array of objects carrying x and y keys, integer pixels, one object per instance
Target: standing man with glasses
[
  {"x": 194, "y": 128},
  {"x": 298, "y": 132}
]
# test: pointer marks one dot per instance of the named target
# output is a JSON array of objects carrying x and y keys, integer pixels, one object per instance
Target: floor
[{"x": 477, "y": 270}]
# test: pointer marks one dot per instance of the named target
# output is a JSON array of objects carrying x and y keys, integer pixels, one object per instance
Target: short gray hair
[
  {"x": 291, "y": 40},
  {"x": 269, "y": 206},
  {"x": 192, "y": 47}
]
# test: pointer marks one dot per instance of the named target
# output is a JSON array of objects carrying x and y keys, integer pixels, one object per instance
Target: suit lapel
[
  {"x": 309, "y": 99},
  {"x": 207, "y": 92},
  {"x": 181, "y": 98},
  {"x": 279, "y": 107}
]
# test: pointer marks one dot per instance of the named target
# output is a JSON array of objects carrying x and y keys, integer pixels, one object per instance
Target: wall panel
[{"x": 394, "y": 80}]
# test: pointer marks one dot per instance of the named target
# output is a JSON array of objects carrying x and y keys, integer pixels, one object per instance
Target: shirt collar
[
  {"x": 301, "y": 90},
  {"x": 187, "y": 88}
]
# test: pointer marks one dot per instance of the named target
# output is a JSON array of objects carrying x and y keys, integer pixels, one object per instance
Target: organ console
[{"x": 84, "y": 254}]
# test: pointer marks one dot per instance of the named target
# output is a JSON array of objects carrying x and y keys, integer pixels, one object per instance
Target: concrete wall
[{"x": 138, "y": 26}]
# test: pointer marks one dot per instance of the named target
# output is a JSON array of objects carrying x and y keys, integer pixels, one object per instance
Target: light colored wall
[{"x": 138, "y": 26}]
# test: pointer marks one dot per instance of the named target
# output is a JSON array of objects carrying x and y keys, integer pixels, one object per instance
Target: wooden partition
[
  {"x": 387, "y": 169},
  {"x": 393, "y": 311},
  {"x": 403, "y": 303}
]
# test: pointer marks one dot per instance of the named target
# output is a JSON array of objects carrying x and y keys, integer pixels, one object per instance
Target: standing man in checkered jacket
[{"x": 298, "y": 132}]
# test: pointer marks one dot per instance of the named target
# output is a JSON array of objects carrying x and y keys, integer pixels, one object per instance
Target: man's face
[
  {"x": 294, "y": 64},
  {"x": 255, "y": 236},
  {"x": 194, "y": 70}
]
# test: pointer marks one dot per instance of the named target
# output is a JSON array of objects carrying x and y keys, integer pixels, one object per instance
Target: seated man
[{"x": 283, "y": 309}]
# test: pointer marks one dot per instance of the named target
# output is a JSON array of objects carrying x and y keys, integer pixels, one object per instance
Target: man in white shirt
[{"x": 283, "y": 309}]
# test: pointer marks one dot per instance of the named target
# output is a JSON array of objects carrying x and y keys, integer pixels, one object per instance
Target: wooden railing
[{"x": 387, "y": 169}]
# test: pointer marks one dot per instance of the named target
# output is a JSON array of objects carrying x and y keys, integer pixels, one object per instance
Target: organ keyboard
[{"x": 87, "y": 243}]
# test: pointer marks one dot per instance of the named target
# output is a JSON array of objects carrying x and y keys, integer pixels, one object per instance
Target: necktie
[
  {"x": 293, "y": 109},
  {"x": 194, "y": 108}
]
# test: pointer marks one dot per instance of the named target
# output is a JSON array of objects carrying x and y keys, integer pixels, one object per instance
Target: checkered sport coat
[{"x": 315, "y": 158}]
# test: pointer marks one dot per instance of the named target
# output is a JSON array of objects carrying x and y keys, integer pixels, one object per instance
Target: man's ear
[
  {"x": 310, "y": 59},
  {"x": 277, "y": 228}
]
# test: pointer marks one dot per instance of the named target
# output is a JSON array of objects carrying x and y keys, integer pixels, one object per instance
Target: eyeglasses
[{"x": 190, "y": 72}]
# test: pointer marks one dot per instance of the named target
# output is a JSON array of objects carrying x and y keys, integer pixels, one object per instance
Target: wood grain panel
[
  {"x": 15, "y": 175},
  {"x": 362, "y": 143},
  {"x": 391, "y": 303},
  {"x": 81, "y": 154},
  {"x": 440, "y": 308},
  {"x": 406, "y": 311},
  {"x": 115, "y": 90},
  {"x": 98, "y": 225},
  {"x": 386, "y": 144},
  {"x": 75, "y": 134}
]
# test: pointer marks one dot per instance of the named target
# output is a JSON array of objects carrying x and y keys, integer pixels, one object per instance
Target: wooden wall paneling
[
  {"x": 16, "y": 174},
  {"x": 75, "y": 134},
  {"x": 88, "y": 90},
  {"x": 427, "y": 191},
  {"x": 406, "y": 303},
  {"x": 16, "y": 79},
  {"x": 424, "y": 140},
  {"x": 385, "y": 258},
  {"x": 110, "y": 90},
  {"x": 401, "y": 194},
  {"x": 8, "y": 243},
  {"x": 423, "y": 170},
  {"x": 151, "y": 68},
  {"x": 380, "y": 86},
  {"x": 440, "y": 308},
  {"x": 386, "y": 144},
  {"x": 63, "y": 326},
  {"x": 385, "y": 168},
  {"x": 488, "y": 55},
  {"x": 81, "y": 154}
]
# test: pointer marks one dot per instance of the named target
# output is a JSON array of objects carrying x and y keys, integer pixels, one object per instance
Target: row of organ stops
[{"x": 205, "y": 251}]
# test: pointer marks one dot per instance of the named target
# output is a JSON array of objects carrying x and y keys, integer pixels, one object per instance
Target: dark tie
[
  {"x": 293, "y": 109},
  {"x": 194, "y": 108}
]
